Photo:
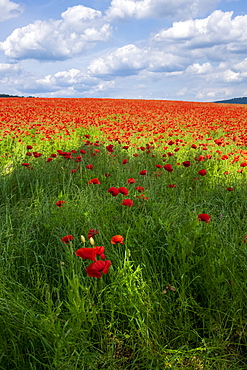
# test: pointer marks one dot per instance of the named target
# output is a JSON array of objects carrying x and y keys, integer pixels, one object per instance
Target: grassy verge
[{"x": 175, "y": 295}]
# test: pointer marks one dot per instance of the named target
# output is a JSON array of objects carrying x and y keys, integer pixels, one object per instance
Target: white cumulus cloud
[
  {"x": 179, "y": 9},
  {"x": 9, "y": 9},
  {"x": 78, "y": 30},
  {"x": 219, "y": 28}
]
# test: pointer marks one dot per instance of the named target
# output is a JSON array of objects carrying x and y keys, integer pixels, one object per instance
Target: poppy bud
[
  {"x": 83, "y": 239},
  {"x": 91, "y": 241}
]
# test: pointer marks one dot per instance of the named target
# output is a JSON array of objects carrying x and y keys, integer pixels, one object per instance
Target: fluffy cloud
[
  {"x": 9, "y": 9},
  {"x": 9, "y": 69},
  {"x": 78, "y": 30},
  {"x": 130, "y": 60},
  {"x": 127, "y": 60},
  {"x": 179, "y": 9},
  {"x": 219, "y": 30}
]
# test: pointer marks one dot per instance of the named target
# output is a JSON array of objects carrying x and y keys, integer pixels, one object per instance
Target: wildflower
[
  {"x": 59, "y": 203},
  {"x": 230, "y": 189},
  {"x": 91, "y": 233},
  {"x": 82, "y": 151},
  {"x": 131, "y": 181},
  {"x": 123, "y": 190},
  {"x": 143, "y": 172},
  {"x": 113, "y": 191},
  {"x": 86, "y": 253},
  {"x": 72, "y": 171},
  {"x": 29, "y": 154},
  {"x": 202, "y": 172},
  {"x": 49, "y": 160},
  {"x": 37, "y": 155},
  {"x": 89, "y": 167},
  {"x": 109, "y": 148},
  {"x": 25, "y": 164},
  {"x": 94, "y": 181},
  {"x": 66, "y": 239},
  {"x": 107, "y": 174},
  {"x": 140, "y": 188},
  {"x": 125, "y": 161},
  {"x": 204, "y": 217},
  {"x": 127, "y": 202},
  {"x": 29, "y": 147},
  {"x": 158, "y": 166},
  {"x": 97, "y": 268},
  {"x": 168, "y": 167},
  {"x": 172, "y": 186},
  {"x": 83, "y": 240},
  {"x": 186, "y": 163},
  {"x": 117, "y": 239},
  {"x": 245, "y": 239}
]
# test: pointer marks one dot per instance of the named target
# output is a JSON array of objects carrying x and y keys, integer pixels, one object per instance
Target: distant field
[{"x": 123, "y": 238}]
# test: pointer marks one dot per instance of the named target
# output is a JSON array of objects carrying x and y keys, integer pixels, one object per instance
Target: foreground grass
[{"x": 175, "y": 295}]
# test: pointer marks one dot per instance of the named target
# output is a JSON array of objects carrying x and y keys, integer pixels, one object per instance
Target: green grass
[{"x": 175, "y": 295}]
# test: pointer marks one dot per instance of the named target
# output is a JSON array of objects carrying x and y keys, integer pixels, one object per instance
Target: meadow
[{"x": 123, "y": 235}]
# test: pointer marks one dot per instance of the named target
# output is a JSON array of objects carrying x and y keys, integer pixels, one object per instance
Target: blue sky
[{"x": 194, "y": 50}]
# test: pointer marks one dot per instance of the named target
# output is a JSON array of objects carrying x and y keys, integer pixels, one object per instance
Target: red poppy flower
[
  {"x": 91, "y": 233},
  {"x": 25, "y": 164},
  {"x": 73, "y": 171},
  {"x": 66, "y": 239},
  {"x": 109, "y": 148},
  {"x": 97, "y": 268},
  {"x": 113, "y": 191},
  {"x": 204, "y": 217},
  {"x": 107, "y": 174},
  {"x": 172, "y": 186},
  {"x": 131, "y": 181},
  {"x": 186, "y": 163},
  {"x": 168, "y": 167},
  {"x": 82, "y": 151},
  {"x": 94, "y": 181},
  {"x": 29, "y": 147},
  {"x": 37, "y": 155},
  {"x": 143, "y": 172},
  {"x": 245, "y": 239},
  {"x": 127, "y": 202},
  {"x": 49, "y": 160},
  {"x": 230, "y": 189},
  {"x": 140, "y": 188},
  {"x": 123, "y": 190},
  {"x": 117, "y": 239},
  {"x": 59, "y": 203},
  {"x": 202, "y": 172},
  {"x": 89, "y": 167},
  {"x": 29, "y": 154},
  {"x": 158, "y": 166},
  {"x": 125, "y": 161},
  {"x": 86, "y": 253}
]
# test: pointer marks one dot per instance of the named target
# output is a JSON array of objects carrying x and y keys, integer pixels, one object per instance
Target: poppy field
[{"x": 123, "y": 238}]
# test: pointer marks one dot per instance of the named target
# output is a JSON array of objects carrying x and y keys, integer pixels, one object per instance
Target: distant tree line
[
  {"x": 234, "y": 101},
  {"x": 13, "y": 96}
]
